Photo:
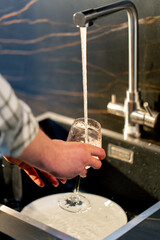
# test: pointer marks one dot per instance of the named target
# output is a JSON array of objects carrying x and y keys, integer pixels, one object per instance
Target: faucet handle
[
  {"x": 115, "y": 108},
  {"x": 147, "y": 108},
  {"x": 145, "y": 116}
]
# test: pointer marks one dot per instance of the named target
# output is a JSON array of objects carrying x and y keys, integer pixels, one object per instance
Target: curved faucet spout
[
  {"x": 87, "y": 18},
  {"x": 133, "y": 113}
]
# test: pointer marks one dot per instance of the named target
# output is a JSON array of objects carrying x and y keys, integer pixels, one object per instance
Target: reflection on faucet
[{"x": 133, "y": 113}]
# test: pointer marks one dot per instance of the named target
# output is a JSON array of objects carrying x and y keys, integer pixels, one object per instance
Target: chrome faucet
[{"x": 133, "y": 113}]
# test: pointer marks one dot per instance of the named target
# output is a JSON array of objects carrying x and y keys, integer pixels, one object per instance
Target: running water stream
[{"x": 83, "y": 35}]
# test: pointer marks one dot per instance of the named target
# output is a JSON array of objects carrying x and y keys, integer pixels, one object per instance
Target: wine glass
[{"x": 86, "y": 131}]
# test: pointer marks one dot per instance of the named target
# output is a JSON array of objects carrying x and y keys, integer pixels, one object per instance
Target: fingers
[
  {"x": 97, "y": 152},
  {"x": 63, "y": 180},
  {"x": 12, "y": 160},
  {"x": 51, "y": 178},
  {"x": 95, "y": 163},
  {"x": 32, "y": 173},
  {"x": 83, "y": 174}
]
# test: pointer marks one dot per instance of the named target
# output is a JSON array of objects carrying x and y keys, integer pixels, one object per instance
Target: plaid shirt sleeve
[{"x": 18, "y": 126}]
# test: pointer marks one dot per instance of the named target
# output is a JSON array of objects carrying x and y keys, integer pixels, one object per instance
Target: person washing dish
[{"x": 24, "y": 144}]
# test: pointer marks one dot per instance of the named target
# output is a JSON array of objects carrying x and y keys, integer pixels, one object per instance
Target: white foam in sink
[{"x": 104, "y": 217}]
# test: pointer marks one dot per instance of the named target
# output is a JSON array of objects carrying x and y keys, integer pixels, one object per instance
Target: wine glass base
[{"x": 75, "y": 203}]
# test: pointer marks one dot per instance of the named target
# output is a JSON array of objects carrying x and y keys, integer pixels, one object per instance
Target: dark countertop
[
  {"x": 145, "y": 226},
  {"x": 149, "y": 229}
]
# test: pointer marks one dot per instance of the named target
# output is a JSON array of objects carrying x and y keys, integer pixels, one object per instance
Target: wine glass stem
[{"x": 76, "y": 190}]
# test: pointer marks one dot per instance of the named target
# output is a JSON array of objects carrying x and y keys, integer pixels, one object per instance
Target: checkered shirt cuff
[{"x": 18, "y": 126}]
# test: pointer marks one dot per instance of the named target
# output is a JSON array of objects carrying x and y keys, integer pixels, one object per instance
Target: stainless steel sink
[
  {"x": 130, "y": 172},
  {"x": 129, "y": 176}
]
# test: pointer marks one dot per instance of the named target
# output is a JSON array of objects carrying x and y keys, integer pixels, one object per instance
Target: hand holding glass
[{"x": 86, "y": 131}]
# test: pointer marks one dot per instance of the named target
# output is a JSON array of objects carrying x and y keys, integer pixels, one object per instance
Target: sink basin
[
  {"x": 129, "y": 174},
  {"x": 128, "y": 177}
]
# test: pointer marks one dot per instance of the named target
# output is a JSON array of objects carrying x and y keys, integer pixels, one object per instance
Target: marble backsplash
[{"x": 40, "y": 56}]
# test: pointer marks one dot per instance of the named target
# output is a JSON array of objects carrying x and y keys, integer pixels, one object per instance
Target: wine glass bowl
[{"x": 86, "y": 131}]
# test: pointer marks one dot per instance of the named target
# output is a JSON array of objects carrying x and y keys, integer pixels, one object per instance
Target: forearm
[{"x": 39, "y": 152}]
